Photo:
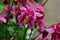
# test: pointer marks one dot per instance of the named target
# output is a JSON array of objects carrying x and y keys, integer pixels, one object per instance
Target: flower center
[
  {"x": 26, "y": 20},
  {"x": 27, "y": 0}
]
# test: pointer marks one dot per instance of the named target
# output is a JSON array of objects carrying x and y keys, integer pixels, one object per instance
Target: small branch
[
  {"x": 30, "y": 34},
  {"x": 25, "y": 33},
  {"x": 45, "y": 2},
  {"x": 36, "y": 37}
]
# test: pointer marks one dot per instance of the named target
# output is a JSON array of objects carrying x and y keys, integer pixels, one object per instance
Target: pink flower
[
  {"x": 17, "y": 10},
  {"x": 41, "y": 24},
  {"x": 2, "y": 18},
  {"x": 6, "y": 1},
  {"x": 12, "y": 38},
  {"x": 23, "y": 1},
  {"x": 9, "y": 11},
  {"x": 55, "y": 31},
  {"x": 26, "y": 17},
  {"x": 38, "y": 11},
  {"x": 35, "y": 7},
  {"x": 44, "y": 35},
  {"x": 31, "y": 14}
]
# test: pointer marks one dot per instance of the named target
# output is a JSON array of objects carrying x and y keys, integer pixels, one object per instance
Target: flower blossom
[
  {"x": 40, "y": 16},
  {"x": 54, "y": 30},
  {"x": 26, "y": 17},
  {"x": 9, "y": 11},
  {"x": 23, "y": 1},
  {"x": 17, "y": 10},
  {"x": 2, "y": 18},
  {"x": 31, "y": 14},
  {"x": 6, "y": 1}
]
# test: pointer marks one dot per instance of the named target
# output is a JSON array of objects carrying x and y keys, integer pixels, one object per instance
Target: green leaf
[
  {"x": 2, "y": 6},
  {"x": 20, "y": 33},
  {"x": 39, "y": 1},
  {"x": 10, "y": 30},
  {"x": 3, "y": 32},
  {"x": 13, "y": 20},
  {"x": 11, "y": 1}
]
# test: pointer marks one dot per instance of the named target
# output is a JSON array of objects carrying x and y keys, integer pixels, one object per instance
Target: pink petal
[
  {"x": 22, "y": 8},
  {"x": 50, "y": 30},
  {"x": 38, "y": 14},
  {"x": 2, "y": 18}
]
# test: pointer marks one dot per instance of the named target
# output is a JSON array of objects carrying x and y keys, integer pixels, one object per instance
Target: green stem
[
  {"x": 30, "y": 34},
  {"x": 24, "y": 38},
  {"x": 45, "y": 2},
  {"x": 36, "y": 37}
]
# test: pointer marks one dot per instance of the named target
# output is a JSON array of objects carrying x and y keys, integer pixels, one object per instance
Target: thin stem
[
  {"x": 25, "y": 33},
  {"x": 45, "y": 2},
  {"x": 36, "y": 37},
  {"x": 30, "y": 34},
  {"x": 13, "y": 2},
  {"x": 13, "y": 32},
  {"x": 0, "y": 24}
]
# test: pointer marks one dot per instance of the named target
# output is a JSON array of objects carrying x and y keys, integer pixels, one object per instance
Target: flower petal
[{"x": 2, "y": 18}]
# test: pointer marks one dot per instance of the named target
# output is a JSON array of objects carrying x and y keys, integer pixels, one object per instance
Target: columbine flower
[
  {"x": 12, "y": 38},
  {"x": 35, "y": 7},
  {"x": 41, "y": 24},
  {"x": 55, "y": 31},
  {"x": 23, "y": 1},
  {"x": 38, "y": 10},
  {"x": 33, "y": 13},
  {"x": 26, "y": 17},
  {"x": 9, "y": 11},
  {"x": 2, "y": 18},
  {"x": 44, "y": 35},
  {"x": 17, "y": 10},
  {"x": 6, "y": 1}
]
